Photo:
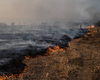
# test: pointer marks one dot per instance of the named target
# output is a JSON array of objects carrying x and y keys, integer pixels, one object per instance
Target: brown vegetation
[{"x": 80, "y": 61}]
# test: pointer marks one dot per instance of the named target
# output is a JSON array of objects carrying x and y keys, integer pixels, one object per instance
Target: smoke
[
  {"x": 94, "y": 13},
  {"x": 50, "y": 10},
  {"x": 93, "y": 9}
]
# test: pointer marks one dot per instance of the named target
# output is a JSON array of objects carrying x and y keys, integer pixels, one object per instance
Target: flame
[
  {"x": 27, "y": 57},
  {"x": 68, "y": 44},
  {"x": 91, "y": 26},
  {"x": 4, "y": 76},
  {"x": 90, "y": 32},
  {"x": 50, "y": 50}
]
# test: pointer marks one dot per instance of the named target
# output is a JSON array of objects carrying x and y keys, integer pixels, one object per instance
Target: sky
[{"x": 37, "y": 11}]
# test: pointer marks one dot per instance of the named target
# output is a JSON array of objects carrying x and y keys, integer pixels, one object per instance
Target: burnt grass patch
[{"x": 14, "y": 67}]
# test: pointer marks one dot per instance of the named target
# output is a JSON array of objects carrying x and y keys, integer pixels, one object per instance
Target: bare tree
[{"x": 13, "y": 24}]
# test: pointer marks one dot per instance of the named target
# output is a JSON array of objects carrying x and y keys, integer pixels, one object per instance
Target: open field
[{"x": 80, "y": 61}]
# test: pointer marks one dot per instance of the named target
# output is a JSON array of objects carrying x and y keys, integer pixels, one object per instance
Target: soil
[{"x": 80, "y": 61}]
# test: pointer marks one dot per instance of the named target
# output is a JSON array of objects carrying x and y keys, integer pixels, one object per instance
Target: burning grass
[
  {"x": 19, "y": 67},
  {"x": 90, "y": 26},
  {"x": 87, "y": 31},
  {"x": 10, "y": 75},
  {"x": 50, "y": 50},
  {"x": 90, "y": 32},
  {"x": 13, "y": 69}
]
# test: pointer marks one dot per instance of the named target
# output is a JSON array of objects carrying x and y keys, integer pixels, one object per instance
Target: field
[{"x": 80, "y": 61}]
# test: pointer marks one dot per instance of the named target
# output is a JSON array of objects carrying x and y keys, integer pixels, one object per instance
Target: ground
[{"x": 80, "y": 61}]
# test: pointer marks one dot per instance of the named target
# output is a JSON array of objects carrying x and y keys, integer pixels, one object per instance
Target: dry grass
[{"x": 81, "y": 61}]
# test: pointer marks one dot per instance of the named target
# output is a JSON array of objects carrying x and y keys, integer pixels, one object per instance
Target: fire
[
  {"x": 68, "y": 44},
  {"x": 91, "y": 26},
  {"x": 90, "y": 32},
  {"x": 5, "y": 77},
  {"x": 10, "y": 75},
  {"x": 56, "y": 48},
  {"x": 50, "y": 50}
]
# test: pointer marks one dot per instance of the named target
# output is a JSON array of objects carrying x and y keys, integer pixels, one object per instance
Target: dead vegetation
[{"x": 80, "y": 61}]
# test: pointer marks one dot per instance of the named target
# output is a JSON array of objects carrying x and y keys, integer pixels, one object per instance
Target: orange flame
[
  {"x": 90, "y": 26},
  {"x": 4, "y": 76},
  {"x": 68, "y": 44},
  {"x": 90, "y": 31},
  {"x": 50, "y": 50}
]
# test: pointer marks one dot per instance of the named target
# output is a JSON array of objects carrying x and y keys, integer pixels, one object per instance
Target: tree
[{"x": 12, "y": 23}]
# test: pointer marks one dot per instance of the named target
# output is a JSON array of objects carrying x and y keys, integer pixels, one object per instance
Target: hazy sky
[{"x": 49, "y": 10}]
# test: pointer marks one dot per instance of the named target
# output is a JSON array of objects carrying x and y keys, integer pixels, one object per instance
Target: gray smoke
[
  {"x": 93, "y": 13},
  {"x": 93, "y": 9}
]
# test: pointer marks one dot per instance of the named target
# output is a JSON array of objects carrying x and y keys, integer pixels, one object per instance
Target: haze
[{"x": 37, "y": 11}]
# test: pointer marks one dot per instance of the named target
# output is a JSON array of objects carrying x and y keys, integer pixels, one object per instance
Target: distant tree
[
  {"x": 12, "y": 23},
  {"x": 3, "y": 24}
]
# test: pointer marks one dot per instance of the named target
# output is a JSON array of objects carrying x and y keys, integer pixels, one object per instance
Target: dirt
[{"x": 80, "y": 61}]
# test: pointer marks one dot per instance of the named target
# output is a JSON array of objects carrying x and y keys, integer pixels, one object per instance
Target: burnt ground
[{"x": 81, "y": 61}]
